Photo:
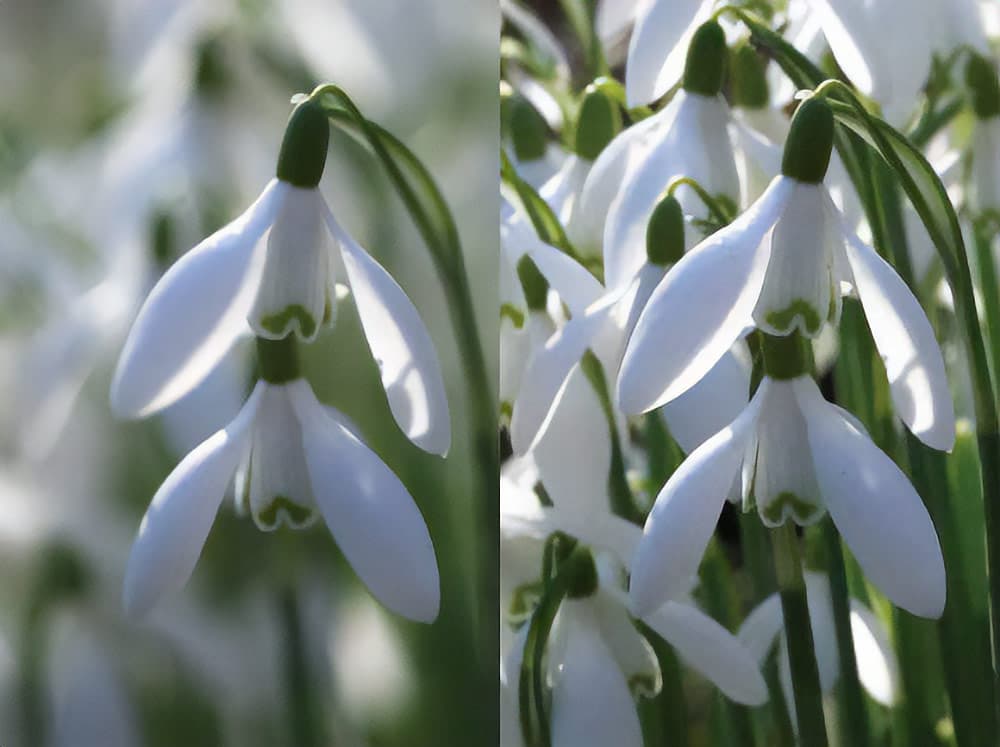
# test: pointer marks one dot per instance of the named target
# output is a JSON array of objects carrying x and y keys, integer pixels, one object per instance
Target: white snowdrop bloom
[
  {"x": 284, "y": 285},
  {"x": 608, "y": 653},
  {"x": 689, "y": 137},
  {"x": 527, "y": 134},
  {"x": 781, "y": 267},
  {"x": 548, "y": 389},
  {"x": 294, "y": 458},
  {"x": 878, "y": 669},
  {"x": 798, "y": 456},
  {"x": 890, "y": 68},
  {"x": 981, "y": 78}
]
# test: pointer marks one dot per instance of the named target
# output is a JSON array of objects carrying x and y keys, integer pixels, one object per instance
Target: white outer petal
[
  {"x": 761, "y": 627},
  {"x": 700, "y": 308},
  {"x": 548, "y": 371},
  {"x": 876, "y": 659},
  {"x": 621, "y": 156},
  {"x": 658, "y": 47},
  {"x": 591, "y": 702},
  {"x": 686, "y": 511},
  {"x": 712, "y": 403},
  {"x": 905, "y": 340},
  {"x": 875, "y": 509},
  {"x": 371, "y": 515},
  {"x": 401, "y": 346},
  {"x": 709, "y": 648},
  {"x": 194, "y": 313},
  {"x": 177, "y": 522}
]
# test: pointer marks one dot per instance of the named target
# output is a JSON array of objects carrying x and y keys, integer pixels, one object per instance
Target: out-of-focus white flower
[
  {"x": 781, "y": 267},
  {"x": 889, "y": 67},
  {"x": 799, "y": 456},
  {"x": 293, "y": 458},
  {"x": 878, "y": 670},
  {"x": 286, "y": 285}
]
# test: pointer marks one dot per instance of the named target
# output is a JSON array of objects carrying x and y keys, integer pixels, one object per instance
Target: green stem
[
  {"x": 798, "y": 634},
  {"x": 990, "y": 293},
  {"x": 664, "y": 717},
  {"x": 304, "y": 715},
  {"x": 853, "y": 723},
  {"x": 436, "y": 224},
  {"x": 715, "y": 208}
]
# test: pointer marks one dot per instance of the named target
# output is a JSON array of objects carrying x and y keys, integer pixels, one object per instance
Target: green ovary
[
  {"x": 276, "y": 324},
  {"x": 783, "y": 319},
  {"x": 802, "y": 511},
  {"x": 284, "y": 509}
]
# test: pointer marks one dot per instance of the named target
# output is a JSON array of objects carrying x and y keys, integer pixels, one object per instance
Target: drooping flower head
[
  {"x": 281, "y": 286},
  {"x": 781, "y": 267}
]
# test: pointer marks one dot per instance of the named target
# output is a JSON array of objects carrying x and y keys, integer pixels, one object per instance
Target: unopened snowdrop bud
[
  {"x": 598, "y": 123},
  {"x": 303, "y": 150},
  {"x": 526, "y": 128},
  {"x": 665, "y": 233},
  {"x": 748, "y": 78},
  {"x": 984, "y": 87},
  {"x": 536, "y": 287},
  {"x": 705, "y": 68},
  {"x": 809, "y": 143}
]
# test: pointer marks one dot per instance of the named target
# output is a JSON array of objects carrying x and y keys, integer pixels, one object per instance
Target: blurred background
[{"x": 129, "y": 130}]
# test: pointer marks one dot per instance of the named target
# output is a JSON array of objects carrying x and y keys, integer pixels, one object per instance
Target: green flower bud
[
  {"x": 581, "y": 572},
  {"x": 278, "y": 360},
  {"x": 525, "y": 127},
  {"x": 809, "y": 143},
  {"x": 981, "y": 78},
  {"x": 303, "y": 149},
  {"x": 162, "y": 238},
  {"x": 665, "y": 232},
  {"x": 211, "y": 77},
  {"x": 705, "y": 67},
  {"x": 536, "y": 287},
  {"x": 748, "y": 79},
  {"x": 599, "y": 121}
]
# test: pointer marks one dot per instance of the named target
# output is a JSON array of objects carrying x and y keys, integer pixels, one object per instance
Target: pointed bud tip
[
  {"x": 809, "y": 143},
  {"x": 705, "y": 67}
]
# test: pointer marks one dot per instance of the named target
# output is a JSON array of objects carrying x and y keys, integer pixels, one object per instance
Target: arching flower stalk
[
  {"x": 289, "y": 457},
  {"x": 781, "y": 267},
  {"x": 283, "y": 286}
]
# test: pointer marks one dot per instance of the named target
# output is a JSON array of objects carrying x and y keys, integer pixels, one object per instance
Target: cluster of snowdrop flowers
[
  {"x": 281, "y": 268},
  {"x": 780, "y": 267},
  {"x": 692, "y": 364}
]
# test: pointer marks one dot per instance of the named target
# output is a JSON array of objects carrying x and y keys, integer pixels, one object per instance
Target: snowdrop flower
[
  {"x": 797, "y": 456},
  {"x": 688, "y": 137},
  {"x": 604, "y": 327},
  {"x": 529, "y": 140},
  {"x": 663, "y": 30},
  {"x": 878, "y": 670},
  {"x": 890, "y": 68},
  {"x": 291, "y": 457},
  {"x": 282, "y": 286},
  {"x": 780, "y": 267},
  {"x": 595, "y": 651}
]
